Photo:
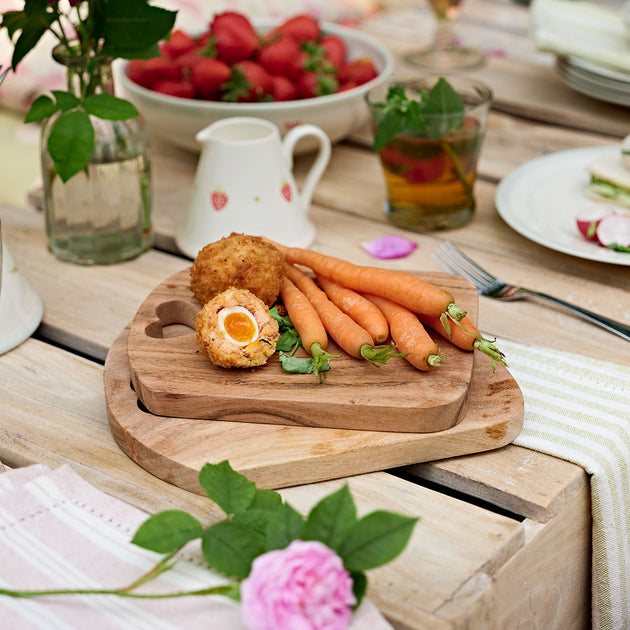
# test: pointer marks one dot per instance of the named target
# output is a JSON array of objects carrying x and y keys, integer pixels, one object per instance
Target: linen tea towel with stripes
[{"x": 578, "y": 409}]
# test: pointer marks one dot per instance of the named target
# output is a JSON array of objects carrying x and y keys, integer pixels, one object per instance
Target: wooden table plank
[{"x": 504, "y": 478}]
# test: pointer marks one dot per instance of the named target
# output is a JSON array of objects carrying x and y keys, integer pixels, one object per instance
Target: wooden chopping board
[
  {"x": 277, "y": 456},
  {"x": 173, "y": 378}
]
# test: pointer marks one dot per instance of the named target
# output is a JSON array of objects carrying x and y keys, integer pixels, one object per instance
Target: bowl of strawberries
[{"x": 292, "y": 71}]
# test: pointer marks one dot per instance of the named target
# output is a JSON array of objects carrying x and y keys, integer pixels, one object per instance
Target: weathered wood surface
[
  {"x": 467, "y": 566},
  {"x": 54, "y": 411}
]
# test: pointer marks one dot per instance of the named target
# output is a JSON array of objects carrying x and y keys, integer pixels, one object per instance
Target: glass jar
[{"x": 102, "y": 214}]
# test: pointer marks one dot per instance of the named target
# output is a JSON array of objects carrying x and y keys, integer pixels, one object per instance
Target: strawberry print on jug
[
  {"x": 286, "y": 191},
  {"x": 219, "y": 199},
  {"x": 244, "y": 183}
]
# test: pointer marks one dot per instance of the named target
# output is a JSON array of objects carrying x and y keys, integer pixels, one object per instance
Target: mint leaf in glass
[
  {"x": 432, "y": 115},
  {"x": 443, "y": 110}
]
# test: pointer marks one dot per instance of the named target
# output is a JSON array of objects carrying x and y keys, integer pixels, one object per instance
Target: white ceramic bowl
[{"x": 178, "y": 120}]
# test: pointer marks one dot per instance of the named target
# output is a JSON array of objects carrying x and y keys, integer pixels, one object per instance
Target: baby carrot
[
  {"x": 308, "y": 325},
  {"x": 409, "y": 334},
  {"x": 356, "y": 341},
  {"x": 465, "y": 336},
  {"x": 364, "y": 312},
  {"x": 303, "y": 316},
  {"x": 403, "y": 288}
]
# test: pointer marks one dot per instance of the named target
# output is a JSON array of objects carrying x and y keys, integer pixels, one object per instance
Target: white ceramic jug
[{"x": 244, "y": 183}]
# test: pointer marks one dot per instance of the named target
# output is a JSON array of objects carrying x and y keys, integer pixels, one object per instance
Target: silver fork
[
  {"x": 454, "y": 260},
  {"x": 3, "y": 74}
]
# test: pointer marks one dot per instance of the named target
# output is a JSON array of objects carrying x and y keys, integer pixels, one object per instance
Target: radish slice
[
  {"x": 589, "y": 218},
  {"x": 614, "y": 230}
]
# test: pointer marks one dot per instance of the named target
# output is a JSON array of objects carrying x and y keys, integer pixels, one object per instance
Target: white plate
[
  {"x": 541, "y": 199},
  {"x": 593, "y": 85}
]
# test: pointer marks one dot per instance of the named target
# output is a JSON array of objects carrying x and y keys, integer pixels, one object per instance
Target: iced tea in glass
[{"x": 430, "y": 180}]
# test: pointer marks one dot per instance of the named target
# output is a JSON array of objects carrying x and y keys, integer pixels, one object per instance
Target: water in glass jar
[{"x": 102, "y": 216}]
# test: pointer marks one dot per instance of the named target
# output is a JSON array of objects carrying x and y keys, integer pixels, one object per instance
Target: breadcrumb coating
[
  {"x": 216, "y": 344},
  {"x": 241, "y": 261}
]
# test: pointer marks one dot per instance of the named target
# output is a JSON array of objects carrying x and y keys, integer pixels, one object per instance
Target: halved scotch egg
[
  {"x": 235, "y": 329},
  {"x": 238, "y": 324}
]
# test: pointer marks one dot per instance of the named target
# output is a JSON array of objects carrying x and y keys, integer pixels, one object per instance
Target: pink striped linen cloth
[{"x": 58, "y": 531}]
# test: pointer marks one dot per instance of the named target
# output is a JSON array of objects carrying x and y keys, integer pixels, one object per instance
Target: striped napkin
[
  {"x": 578, "y": 409},
  {"x": 58, "y": 531}
]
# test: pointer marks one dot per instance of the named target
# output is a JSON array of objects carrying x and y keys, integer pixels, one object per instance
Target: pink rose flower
[{"x": 302, "y": 587}]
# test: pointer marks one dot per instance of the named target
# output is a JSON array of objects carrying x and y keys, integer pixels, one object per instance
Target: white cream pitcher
[{"x": 244, "y": 183}]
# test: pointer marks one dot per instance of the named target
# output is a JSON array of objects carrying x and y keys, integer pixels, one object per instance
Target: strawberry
[
  {"x": 301, "y": 27},
  {"x": 208, "y": 75},
  {"x": 334, "y": 50},
  {"x": 233, "y": 36},
  {"x": 188, "y": 59},
  {"x": 250, "y": 82},
  {"x": 312, "y": 84},
  {"x": 181, "y": 89},
  {"x": 282, "y": 56},
  {"x": 147, "y": 72},
  {"x": 178, "y": 44},
  {"x": 358, "y": 71},
  {"x": 282, "y": 89},
  {"x": 348, "y": 85},
  {"x": 218, "y": 199}
]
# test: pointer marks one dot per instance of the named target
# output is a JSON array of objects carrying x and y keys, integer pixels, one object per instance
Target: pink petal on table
[{"x": 389, "y": 247}]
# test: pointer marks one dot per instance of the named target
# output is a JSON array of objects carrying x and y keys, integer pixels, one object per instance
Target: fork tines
[{"x": 451, "y": 258}]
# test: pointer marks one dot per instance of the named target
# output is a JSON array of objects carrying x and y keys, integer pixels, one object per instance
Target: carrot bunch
[
  {"x": 348, "y": 335},
  {"x": 360, "y": 306}
]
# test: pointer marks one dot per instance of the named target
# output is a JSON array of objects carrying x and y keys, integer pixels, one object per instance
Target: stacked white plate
[{"x": 600, "y": 82}]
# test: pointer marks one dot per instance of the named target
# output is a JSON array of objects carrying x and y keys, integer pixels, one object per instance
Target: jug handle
[{"x": 320, "y": 163}]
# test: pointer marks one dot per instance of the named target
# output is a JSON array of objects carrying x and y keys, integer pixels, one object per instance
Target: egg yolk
[{"x": 240, "y": 327}]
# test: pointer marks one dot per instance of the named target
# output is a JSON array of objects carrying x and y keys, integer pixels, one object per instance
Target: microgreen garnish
[{"x": 288, "y": 344}]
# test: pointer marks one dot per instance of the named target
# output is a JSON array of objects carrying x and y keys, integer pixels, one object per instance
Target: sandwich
[{"x": 610, "y": 177}]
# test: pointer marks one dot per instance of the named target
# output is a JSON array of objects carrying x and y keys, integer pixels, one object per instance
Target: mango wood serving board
[
  {"x": 172, "y": 377},
  {"x": 278, "y": 456}
]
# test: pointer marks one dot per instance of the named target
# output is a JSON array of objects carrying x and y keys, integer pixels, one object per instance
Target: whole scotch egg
[{"x": 235, "y": 329}]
